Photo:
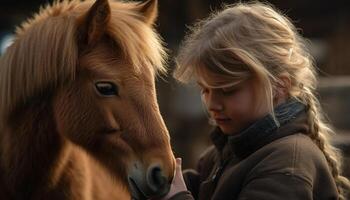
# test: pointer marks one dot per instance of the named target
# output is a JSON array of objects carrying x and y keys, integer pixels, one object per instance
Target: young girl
[{"x": 258, "y": 82}]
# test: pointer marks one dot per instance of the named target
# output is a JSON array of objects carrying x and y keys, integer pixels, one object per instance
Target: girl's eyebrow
[{"x": 200, "y": 84}]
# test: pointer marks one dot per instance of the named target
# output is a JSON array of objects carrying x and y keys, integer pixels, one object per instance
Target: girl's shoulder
[
  {"x": 295, "y": 155},
  {"x": 298, "y": 147}
]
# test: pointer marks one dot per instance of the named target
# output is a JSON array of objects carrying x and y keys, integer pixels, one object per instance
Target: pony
[{"x": 79, "y": 117}]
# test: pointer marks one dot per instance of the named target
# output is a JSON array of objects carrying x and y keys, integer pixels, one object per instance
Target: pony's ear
[
  {"x": 149, "y": 10},
  {"x": 93, "y": 24}
]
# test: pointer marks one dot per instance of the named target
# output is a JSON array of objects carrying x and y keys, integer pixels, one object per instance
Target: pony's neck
[{"x": 30, "y": 147}]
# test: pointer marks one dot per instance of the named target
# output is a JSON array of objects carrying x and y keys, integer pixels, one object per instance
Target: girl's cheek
[{"x": 242, "y": 103}]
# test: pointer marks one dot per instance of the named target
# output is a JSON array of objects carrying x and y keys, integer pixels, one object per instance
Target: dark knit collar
[{"x": 290, "y": 119}]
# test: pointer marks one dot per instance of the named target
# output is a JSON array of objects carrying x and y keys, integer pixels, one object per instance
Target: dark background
[{"x": 325, "y": 23}]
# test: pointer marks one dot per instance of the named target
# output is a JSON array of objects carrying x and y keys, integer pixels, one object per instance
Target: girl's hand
[{"x": 178, "y": 183}]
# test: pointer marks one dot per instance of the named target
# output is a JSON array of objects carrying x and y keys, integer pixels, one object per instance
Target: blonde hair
[
  {"x": 45, "y": 53},
  {"x": 255, "y": 40}
]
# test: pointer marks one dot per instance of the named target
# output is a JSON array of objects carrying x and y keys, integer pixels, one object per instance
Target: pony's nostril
[
  {"x": 155, "y": 178},
  {"x": 147, "y": 184}
]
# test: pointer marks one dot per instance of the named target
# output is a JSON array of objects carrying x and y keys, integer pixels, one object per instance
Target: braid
[{"x": 319, "y": 133}]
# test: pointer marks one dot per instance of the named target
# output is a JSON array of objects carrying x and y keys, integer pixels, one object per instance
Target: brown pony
[{"x": 78, "y": 109}]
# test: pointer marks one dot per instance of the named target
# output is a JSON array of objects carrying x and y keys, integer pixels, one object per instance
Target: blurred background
[{"x": 325, "y": 23}]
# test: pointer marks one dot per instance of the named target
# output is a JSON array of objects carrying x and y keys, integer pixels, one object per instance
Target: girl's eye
[
  {"x": 229, "y": 91},
  {"x": 107, "y": 88}
]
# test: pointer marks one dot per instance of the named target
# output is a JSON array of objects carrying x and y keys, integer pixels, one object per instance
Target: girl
[{"x": 258, "y": 82}]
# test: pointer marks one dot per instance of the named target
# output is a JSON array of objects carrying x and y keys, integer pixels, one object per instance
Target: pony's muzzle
[{"x": 149, "y": 183}]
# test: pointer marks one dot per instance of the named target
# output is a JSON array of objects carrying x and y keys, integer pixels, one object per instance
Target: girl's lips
[{"x": 220, "y": 121}]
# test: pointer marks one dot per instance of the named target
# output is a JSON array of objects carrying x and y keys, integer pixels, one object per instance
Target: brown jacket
[{"x": 268, "y": 161}]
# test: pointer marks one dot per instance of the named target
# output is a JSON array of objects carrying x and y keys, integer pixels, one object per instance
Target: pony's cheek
[{"x": 78, "y": 121}]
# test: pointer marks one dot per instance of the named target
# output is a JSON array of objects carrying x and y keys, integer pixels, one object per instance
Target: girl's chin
[
  {"x": 227, "y": 130},
  {"x": 230, "y": 130}
]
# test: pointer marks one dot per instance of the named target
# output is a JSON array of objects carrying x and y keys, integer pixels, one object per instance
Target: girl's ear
[
  {"x": 149, "y": 10},
  {"x": 281, "y": 89}
]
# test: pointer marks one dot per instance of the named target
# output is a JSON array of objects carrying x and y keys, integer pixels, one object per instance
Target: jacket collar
[{"x": 290, "y": 118}]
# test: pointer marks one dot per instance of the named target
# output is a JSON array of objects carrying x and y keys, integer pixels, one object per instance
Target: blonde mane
[{"x": 45, "y": 53}]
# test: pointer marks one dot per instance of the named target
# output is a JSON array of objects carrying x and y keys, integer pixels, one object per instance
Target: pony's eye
[{"x": 107, "y": 88}]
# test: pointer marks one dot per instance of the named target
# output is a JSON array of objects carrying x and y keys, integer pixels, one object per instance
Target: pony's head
[{"x": 96, "y": 62}]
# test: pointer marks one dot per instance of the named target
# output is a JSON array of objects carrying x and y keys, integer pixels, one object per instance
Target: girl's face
[{"x": 235, "y": 108}]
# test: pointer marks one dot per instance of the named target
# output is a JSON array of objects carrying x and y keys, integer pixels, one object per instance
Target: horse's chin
[{"x": 139, "y": 193}]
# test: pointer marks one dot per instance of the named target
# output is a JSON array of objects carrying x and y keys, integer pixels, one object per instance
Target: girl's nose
[
  {"x": 215, "y": 107},
  {"x": 213, "y": 103}
]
